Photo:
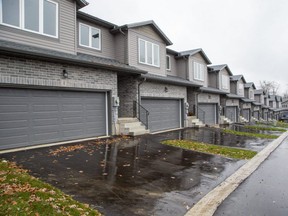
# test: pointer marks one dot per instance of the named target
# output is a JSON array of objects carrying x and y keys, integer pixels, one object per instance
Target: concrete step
[
  {"x": 127, "y": 120},
  {"x": 130, "y": 125},
  {"x": 138, "y": 132}
]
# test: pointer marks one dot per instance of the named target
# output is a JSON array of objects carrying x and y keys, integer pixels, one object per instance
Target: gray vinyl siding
[
  {"x": 121, "y": 48},
  {"x": 67, "y": 27},
  {"x": 198, "y": 58},
  {"x": 213, "y": 80},
  {"x": 107, "y": 42},
  {"x": 182, "y": 68},
  {"x": 173, "y": 66},
  {"x": 233, "y": 87},
  {"x": 224, "y": 72},
  {"x": 148, "y": 34},
  {"x": 238, "y": 90}
]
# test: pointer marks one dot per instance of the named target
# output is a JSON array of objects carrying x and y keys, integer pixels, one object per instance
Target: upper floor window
[
  {"x": 168, "y": 63},
  {"x": 251, "y": 94},
  {"x": 89, "y": 36},
  {"x": 225, "y": 82},
  {"x": 198, "y": 71},
  {"x": 241, "y": 88},
  {"x": 149, "y": 53},
  {"x": 38, "y": 16}
]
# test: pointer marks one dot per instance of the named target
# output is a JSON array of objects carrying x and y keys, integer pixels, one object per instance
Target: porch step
[
  {"x": 131, "y": 126},
  {"x": 193, "y": 121},
  {"x": 243, "y": 120},
  {"x": 225, "y": 120}
]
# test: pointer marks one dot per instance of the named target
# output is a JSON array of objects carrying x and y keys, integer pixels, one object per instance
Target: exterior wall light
[
  {"x": 166, "y": 89},
  {"x": 65, "y": 74}
]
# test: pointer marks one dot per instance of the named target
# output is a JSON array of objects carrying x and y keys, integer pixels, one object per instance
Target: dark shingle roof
[
  {"x": 234, "y": 96},
  {"x": 237, "y": 78},
  {"x": 140, "y": 24},
  {"x": 249, "y": 85},
  {"x": 95, "y": 20},
  {"x": 56, "y": 56},
  {"x": 246, "y": 100},
  {"x": 257, "y": 103},
  {"x": 212, "y": 90},
  {"x": 193, "y": 52},
  {"x": 258, "y": 92},
  {"x": 220, "y": 67},
  {"x": 170, "y": 79},
  {"x": 81, "y": 3}
]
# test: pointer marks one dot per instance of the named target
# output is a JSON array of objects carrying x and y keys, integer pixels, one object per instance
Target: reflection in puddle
[{"x": 136, "y": 176}]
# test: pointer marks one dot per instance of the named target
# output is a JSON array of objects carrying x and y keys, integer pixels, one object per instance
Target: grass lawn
[
  {"x": 212, "y": 149},
  {"x": 248, "y": 134},
  {"x": 22, "y": 194},
  {"x": 264, "y": 128},
  {"x": 281, "y": 124}
]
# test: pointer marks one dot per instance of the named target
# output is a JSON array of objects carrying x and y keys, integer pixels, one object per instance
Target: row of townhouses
[{"x": 67, "y": 75}]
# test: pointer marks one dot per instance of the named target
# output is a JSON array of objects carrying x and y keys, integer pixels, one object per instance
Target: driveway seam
[{"x": 210, "y": 202}]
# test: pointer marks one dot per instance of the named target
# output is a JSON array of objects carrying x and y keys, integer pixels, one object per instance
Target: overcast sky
[{"x": 251, "y": 36}]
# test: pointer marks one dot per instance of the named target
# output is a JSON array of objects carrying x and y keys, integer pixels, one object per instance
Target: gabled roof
[
  {"x": 141, "y": 24},
  {"x": 258, "y": 92},
  {"x": 81, "y": 3},
  {"x": 249, "y": 85},
  {"x": 16, "y": 49},
  {"x": 95, "y": 20},
  {"x": 237, "y": 78},
  {"x": 216, "y": 68},
  {"x": 193, "y": 52},
  {"x": 170, "y": 80}
]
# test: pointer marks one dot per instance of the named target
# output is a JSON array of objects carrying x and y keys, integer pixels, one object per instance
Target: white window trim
[
  {"x": 146, "y": 53},
  {"x": 201, "y": 75},
  {"x": 22, "y": 18},
  {"x": 90, "y": 37},
  {"x": 169, "y": 65}
]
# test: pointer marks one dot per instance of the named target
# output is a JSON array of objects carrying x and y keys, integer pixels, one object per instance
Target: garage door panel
[
  {"x": 30, "y": 117},
  {"x": 163, "y": 113},
  {"x": 246, "y": 114},
  {"x": 210, "y": 113},
  {"x": 231, "y": 113}
]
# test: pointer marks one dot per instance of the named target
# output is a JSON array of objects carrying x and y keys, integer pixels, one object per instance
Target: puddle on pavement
[{"x": 136, "y": 176}]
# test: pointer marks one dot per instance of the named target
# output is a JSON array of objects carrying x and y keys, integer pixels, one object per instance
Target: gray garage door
[
  {"x": 246, "y": 114},
  {"x": 163, "y": 113},
  {"x": 265, "y": 116},
  {"x": 231, "y": 113},
  {"x": 256, "y": 114},
  {"x": 29, "y": 117},
  {"x": 210, "y": 113}
]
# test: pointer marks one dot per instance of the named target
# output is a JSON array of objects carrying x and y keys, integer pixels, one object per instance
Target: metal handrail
[
  {"x": 141, "y": 113},
  {"x": 199, "y": 113}
]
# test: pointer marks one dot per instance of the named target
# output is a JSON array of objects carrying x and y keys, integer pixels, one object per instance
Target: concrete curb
[{"x": 209, "y": 203}]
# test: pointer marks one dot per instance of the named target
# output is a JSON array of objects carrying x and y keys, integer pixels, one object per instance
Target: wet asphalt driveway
[{"x": 136, "y": 176}]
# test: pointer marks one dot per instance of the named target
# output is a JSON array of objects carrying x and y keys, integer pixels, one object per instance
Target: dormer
[
  {"x": 272, "y": 101},
  {"x": 142, "y": 45},
  {"x": 237, "y": 84},
  {"x": 219, "y": 77},
  {"x": 194, "y": 62},
  {"x": 259, "y": 96},
  {"x": 249, "y": 89}
]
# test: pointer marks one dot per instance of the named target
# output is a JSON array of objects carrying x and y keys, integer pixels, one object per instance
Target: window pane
[
  {"x": 167, "y": 62},
  {"x": 149, "y": 53},
  {"x": 84, "y": 34},
  {"x": 95, "y": 38},
  {"x": 142, "y": 51},
  {"x": 156, "y": 55},
  {"x": 10, "y": 12},
  {"x": 50, "y": 18},
  {"x": 31, "y": 15}
]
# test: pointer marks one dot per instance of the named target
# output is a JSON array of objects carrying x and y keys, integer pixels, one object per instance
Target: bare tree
[{"x": 271, "y": 87}]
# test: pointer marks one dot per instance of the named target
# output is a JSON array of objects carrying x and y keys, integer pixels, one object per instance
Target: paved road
[{"x": 265, "y": 192}]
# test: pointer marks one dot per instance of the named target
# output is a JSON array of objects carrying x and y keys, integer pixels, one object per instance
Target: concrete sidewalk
[
  {"x": 208, "y": 205},
  {"x": 265, "y": 192}
]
